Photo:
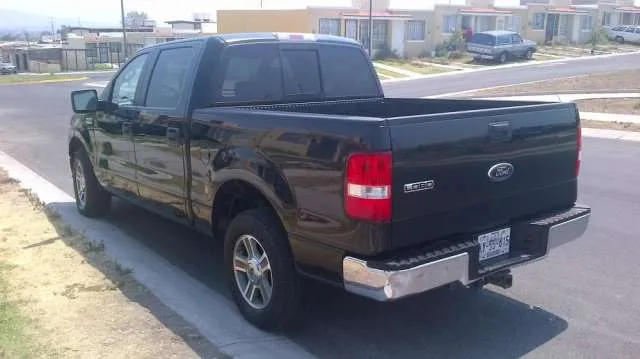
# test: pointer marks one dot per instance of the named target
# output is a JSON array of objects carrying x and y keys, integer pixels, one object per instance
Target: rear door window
[
  {"x": 516, "y": 39},
  {"x": 504, "y": 39}
]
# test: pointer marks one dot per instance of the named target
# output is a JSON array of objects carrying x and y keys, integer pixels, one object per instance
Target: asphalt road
[
  {"x": 509, "y": 76},
  {"x": 582, "y": 302}
]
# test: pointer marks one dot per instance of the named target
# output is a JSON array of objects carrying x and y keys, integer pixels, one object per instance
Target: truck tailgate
[{"x": 466, "y": 172}]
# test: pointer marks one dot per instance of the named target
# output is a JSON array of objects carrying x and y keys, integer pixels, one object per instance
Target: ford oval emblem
[{"x": 500, "y": 172}]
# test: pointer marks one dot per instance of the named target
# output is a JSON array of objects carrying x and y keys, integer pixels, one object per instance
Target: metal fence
[{"x": 96, "y": 57}]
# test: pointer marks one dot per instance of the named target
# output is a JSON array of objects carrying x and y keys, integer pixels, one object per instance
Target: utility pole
[
  {"x": 370, "y": 28},
  {"x": 124, "y": 30}
]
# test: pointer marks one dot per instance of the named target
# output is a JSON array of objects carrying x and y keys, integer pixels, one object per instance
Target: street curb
[
  {"x": 96, "y": 72},
  {"x": 551, "y": 93},
  {"x": 207, "y": 310},
  {"x": 45, "y": 81}
]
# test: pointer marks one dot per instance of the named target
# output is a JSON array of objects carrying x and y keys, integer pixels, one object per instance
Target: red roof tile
[
  {"x": 628, "y": 9},
  {"x": 474, "y": 10},
  {"x": 566, "y": 10},
  {"x": 374, "y": 14}
]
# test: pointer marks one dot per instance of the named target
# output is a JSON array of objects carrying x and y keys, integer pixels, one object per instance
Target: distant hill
[{"x": 18, "y": 21}]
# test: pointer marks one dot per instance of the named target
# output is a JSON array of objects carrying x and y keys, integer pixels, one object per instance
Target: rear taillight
[
  {"x": 367, "y": 193},
  {"x": 579, "y": 149}
]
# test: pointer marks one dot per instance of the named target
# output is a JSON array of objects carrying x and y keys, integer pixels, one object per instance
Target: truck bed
[{"x": 446, "y": 150}]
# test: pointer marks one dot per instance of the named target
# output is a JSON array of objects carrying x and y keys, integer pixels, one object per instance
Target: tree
[
  {"x": 135, "y": 18},
  {"x": 8, "y": 37},
  {"x": 63, "y": 31}
]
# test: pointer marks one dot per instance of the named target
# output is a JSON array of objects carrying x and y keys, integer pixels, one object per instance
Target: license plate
[{"x": 494, "y": 243}]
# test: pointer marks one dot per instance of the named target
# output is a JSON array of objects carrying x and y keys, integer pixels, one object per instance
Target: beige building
[
  {"x": 403, "y": 31},
  {"x": 412, "y": 33}
]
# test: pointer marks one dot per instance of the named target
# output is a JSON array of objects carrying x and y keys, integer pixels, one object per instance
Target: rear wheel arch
[{"x": 234, "y": 197}]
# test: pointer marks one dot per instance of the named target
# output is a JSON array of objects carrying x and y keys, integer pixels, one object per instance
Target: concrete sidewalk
[
  {"x": 593, "y": 116},
  {"x": 565, "y": 97},
  {"x": 610, "y": 117}
]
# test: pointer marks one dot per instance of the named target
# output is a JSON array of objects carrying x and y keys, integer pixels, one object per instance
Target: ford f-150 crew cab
[{"x": 285, "y": 146}]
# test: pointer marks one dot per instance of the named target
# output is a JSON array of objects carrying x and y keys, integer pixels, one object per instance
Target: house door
[
  {"x": 467, "y": 21},
  {"x": 552, "y": 27}
]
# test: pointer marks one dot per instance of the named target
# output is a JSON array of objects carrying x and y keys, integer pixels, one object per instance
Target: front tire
[
  {"x": 260, "y": 270},
  {"x": 91, "y": 199},
  {"x": 528, "y": 55},
  {"x": 620, "y": 39}
]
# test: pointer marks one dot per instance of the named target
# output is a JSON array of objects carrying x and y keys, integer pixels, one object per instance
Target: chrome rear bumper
[{"x": 386, "y": 285}]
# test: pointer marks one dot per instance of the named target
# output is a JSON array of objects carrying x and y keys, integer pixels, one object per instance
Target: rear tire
[
  {"x": 502, "y": 58},
  {"x": 620, "y": 39},
  {"x": 260, "y": 270},
  {"x": 91, "y": 199}
]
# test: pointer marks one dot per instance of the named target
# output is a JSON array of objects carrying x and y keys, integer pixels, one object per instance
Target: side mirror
[{"x": 84, "y": 101}]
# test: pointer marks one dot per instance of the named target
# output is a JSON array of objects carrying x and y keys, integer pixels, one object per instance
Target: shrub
[{"x": 385, "y": 53}]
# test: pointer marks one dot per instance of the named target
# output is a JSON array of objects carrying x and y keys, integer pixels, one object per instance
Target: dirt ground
[
  {"x": 626, "y": 106},
  {"x": 611, "y": 125},
  {"x": 614, "y": 81},
  {"x": 74, "y": 302}
]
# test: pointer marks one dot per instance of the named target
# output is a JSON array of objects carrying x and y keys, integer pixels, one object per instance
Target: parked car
[
  {"x": 305, "y": 168},
  {"x": 500, "y": 46},
  {"x": 624, "y": 33},
  {"x": 7, "y": 68}
]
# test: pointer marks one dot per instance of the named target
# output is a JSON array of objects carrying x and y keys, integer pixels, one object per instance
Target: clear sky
[{"x": 108, "y": 11}]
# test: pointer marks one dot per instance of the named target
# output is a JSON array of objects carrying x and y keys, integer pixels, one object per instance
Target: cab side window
[{"x": 125, "y": 86}]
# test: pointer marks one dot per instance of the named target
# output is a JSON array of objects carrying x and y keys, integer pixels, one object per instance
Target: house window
[
  {"x": 379, "y": 33},
  {"x": 415, "y": 30},
  {"x": 115, "y": 47},
  {"x": 351, "y": 30},
  {"x": 626, "y": 18},
  {"x": 92, "y": 50},
  {"x": 513, "y": 23},
  {"x": 606, "y": 19},
  {"x": 538, "y": 21},
  {"x": 484, "y": 23},
  {"x": 329, "y": 27},
  {"x": 586, "y": 23},
  {"x": 449, "y": 24}
]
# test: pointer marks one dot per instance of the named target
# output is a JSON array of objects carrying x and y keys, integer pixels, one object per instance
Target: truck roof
[{"x": 233, "y": 38}]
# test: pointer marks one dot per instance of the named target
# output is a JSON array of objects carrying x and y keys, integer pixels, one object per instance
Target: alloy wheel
[
  {"x": 252, "y": 271},
  {"x": 80, "y": 183}
]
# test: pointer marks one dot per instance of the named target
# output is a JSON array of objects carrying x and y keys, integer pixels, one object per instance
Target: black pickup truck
[{"x": 285, "y": 146}]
